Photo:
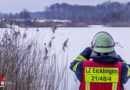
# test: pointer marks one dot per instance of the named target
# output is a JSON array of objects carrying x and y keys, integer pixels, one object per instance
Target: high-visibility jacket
[{"x": 97, "y": 76}]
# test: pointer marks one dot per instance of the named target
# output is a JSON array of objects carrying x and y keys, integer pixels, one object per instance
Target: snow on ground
[
  {"x": 79, "y": 39},
  {"x": 54, "y": 20}
]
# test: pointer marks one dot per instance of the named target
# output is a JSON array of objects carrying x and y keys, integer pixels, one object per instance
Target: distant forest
[{"x": 107, "y": 12}]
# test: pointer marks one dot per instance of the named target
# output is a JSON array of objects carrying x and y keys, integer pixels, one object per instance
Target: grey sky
[{"x": 13, "y": 6}]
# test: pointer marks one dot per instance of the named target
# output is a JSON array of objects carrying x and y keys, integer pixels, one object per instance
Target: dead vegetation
[{"x": 26, "y": 66}]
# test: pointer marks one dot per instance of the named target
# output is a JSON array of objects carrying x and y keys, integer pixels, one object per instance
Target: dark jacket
[{"x": 77, "y": 64}]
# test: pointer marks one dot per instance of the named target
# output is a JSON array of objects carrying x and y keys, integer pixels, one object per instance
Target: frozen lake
[{"x": 79, "y": 39}]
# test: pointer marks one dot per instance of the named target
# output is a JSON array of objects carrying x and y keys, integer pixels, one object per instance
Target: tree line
[{"x": 107, "y": 12}]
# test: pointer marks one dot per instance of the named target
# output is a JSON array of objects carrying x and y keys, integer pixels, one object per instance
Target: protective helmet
[{"x": 103, "y": 43}]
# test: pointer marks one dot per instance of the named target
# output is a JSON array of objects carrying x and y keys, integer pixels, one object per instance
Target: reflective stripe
[
  {"x": 82, "y": 57},
  {"x": 123, "y": 61},
  {"x": 75, "y": 66},
  {"x": 78, "y": 60},
  {"x": 114, "y": 86},
  {"x": 128, "y": 73},
  {"x": 88, "y": 86}
]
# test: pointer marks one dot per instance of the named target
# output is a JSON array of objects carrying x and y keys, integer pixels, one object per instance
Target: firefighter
[{"x": 99, "y": 67}]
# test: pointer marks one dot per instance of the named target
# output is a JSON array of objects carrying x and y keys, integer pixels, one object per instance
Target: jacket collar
[{"x": 105, "y": 59}]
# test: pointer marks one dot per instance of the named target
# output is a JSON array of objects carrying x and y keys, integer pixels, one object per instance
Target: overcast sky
[{"x": 7, "y": 6}]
